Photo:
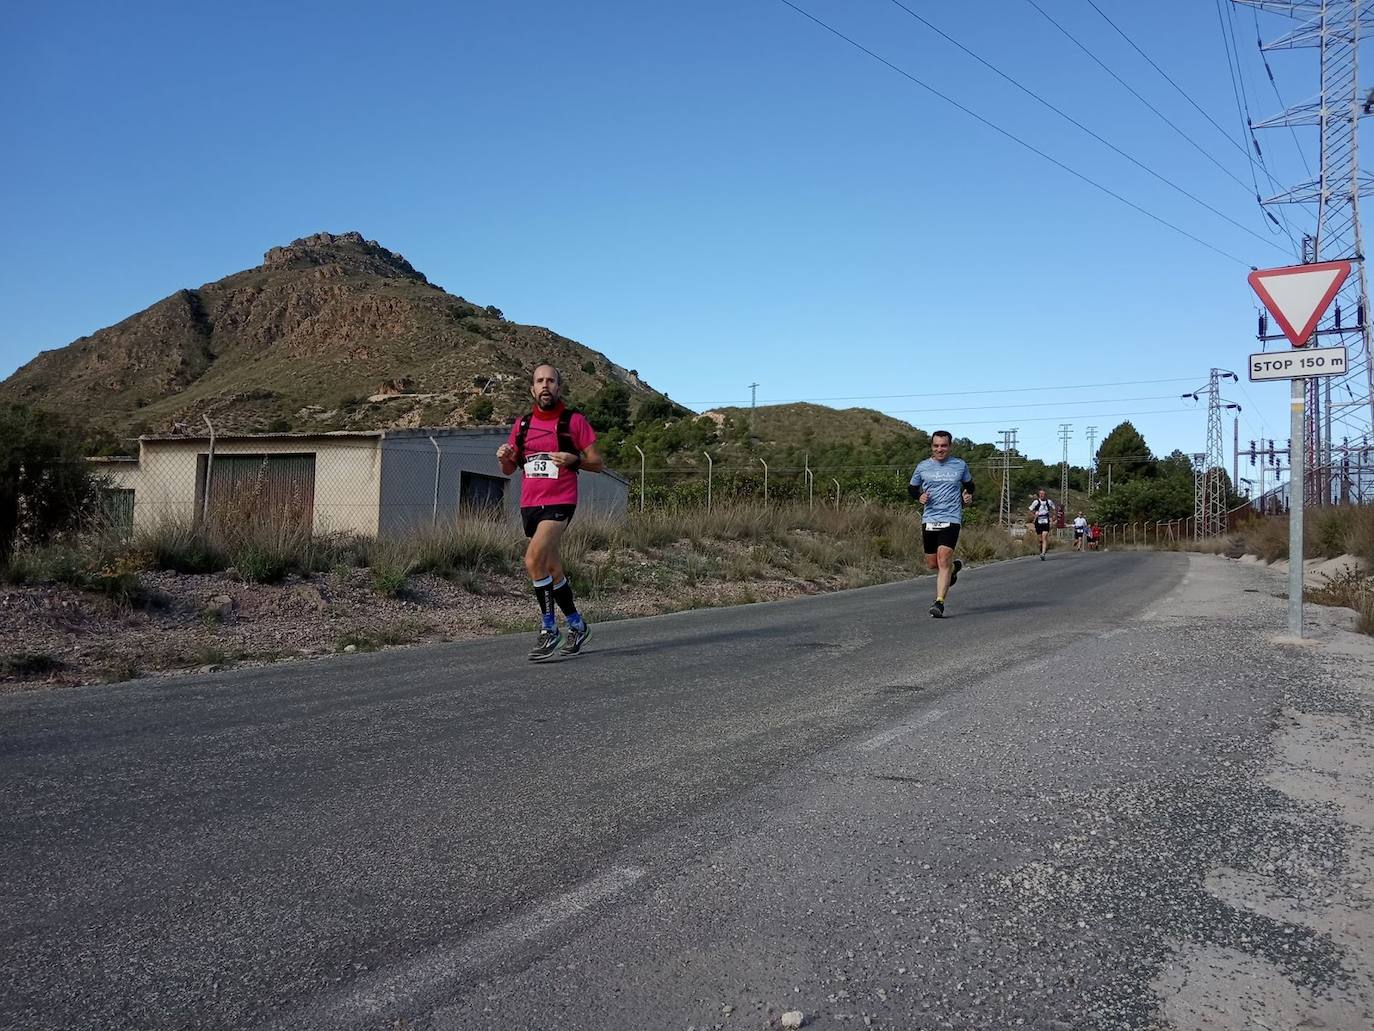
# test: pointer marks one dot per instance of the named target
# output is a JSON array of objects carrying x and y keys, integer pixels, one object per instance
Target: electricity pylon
[{"x": 1339, "y": 405}]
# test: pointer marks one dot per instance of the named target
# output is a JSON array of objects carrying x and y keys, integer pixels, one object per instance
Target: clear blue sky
[{"x": 713, "y": 192}]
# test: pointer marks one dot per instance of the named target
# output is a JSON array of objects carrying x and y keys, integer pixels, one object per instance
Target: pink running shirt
[{"x": 542, "y": 438}]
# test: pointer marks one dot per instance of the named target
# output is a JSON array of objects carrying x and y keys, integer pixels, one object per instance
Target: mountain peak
[{"x": 347, "y": 249}]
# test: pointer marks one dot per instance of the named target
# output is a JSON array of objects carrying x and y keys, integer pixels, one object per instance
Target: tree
[
  {"x": 657, "y": 407},
  {"x": 45, "y": 483},
  {"x": 1126, "y": 452},
  {"x": 609, "y": 408},
  {"x": 481, "y": 410}
]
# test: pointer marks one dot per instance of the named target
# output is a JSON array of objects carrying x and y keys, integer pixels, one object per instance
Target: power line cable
[
  {"x": 1293, "y": 132},
  {"x": 1165, "y": 118},
  {"x": 1250, "y": 127},
  {"x": 1167, "y": 78},
  {"x": 955, "y": 393},
  {"x": 1075, "y": 122},
  {"x": 1014, "y": 138},
  {"x": 1127, "y": 86}
]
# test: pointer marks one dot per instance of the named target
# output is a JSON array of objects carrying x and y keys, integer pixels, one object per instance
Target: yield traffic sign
[{"x": 1298, "y": 295}]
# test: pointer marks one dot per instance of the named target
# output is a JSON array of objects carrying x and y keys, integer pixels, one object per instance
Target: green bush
[
  {"x": 46, "y": 485},
  {"x": 98, "y": 563},
  {"x": 481, "y": 410},
  {"x": 180, "y": 547}
]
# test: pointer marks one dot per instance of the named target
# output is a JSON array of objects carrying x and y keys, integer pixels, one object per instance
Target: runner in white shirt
[
  {"x": 1080, "y": 532},
  {"x": 1042, "y": 511}
]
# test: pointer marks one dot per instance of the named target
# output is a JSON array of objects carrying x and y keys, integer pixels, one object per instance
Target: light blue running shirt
[{"x": 944, "y": 482}]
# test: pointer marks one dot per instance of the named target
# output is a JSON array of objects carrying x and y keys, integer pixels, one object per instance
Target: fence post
[
  {"x": 209, "y": 469},
  {"x": 765, "y": 480},
  {"x": 438, "y": 461},
  {"x": 641, "y": 476},
  {"x": 710, "y": 469},
  {"x": 837, "y": 493}
]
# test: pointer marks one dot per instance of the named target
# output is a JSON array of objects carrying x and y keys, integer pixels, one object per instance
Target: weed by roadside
[
  {"x": 27, "y": 665},
  {"x": 120, "y": 669}
]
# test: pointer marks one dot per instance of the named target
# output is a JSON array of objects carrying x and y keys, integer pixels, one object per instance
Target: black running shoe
[
  {"x": 938, "y": 610},
  {"x": 546, "y": 645},
  {"x": 954, "y": 576},
  {"x": 1042, "y": 556},
  {"x": 577, "y": 637}
]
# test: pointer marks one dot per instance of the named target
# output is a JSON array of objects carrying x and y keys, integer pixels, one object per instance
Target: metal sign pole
[{"x": 1296, "y": 487}]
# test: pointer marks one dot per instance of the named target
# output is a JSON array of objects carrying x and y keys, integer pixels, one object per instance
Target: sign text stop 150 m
[{"x": 1324, "y": 361}]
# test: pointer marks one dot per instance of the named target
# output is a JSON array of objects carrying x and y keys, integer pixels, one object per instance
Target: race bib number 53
[{"x": 541, "y": 467}]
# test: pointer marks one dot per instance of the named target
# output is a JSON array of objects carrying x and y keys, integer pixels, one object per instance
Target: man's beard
[{"x": 546, "y": 402}]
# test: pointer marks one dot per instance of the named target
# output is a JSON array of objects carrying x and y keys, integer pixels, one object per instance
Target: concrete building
[{"x": 365, "y": 482}]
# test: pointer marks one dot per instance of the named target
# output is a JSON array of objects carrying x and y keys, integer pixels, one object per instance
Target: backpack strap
[
  {"x": 564, "y": 432},
  {"x": 521, "y": 432},
  {"x": 565, "y": 440}
]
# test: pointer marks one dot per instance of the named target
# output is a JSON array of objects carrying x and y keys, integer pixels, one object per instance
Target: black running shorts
[
  {"x": 933, "y": 540},
  {"x": 1042, "y": 526},
  {"x": 536, "y": 514}
]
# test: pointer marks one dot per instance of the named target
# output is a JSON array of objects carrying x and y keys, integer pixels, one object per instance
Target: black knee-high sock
[
  {"x": 543, "y": 594},
  {"x": 562, "y": 593}
]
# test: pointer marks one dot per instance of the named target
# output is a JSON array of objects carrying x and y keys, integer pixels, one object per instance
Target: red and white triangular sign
[{"x": 1298, "y": 295}]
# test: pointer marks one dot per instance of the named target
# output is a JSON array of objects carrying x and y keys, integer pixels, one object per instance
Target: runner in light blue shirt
[{"x": 943, "y": 485}]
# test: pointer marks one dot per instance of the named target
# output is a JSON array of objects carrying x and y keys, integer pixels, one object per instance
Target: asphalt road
[{"x": 707, "y": 818}]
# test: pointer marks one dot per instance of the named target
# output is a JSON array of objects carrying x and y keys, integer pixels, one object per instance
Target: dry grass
[
  {"x": 741, "y": 544},
  {"x": 1328, "y": 532}
]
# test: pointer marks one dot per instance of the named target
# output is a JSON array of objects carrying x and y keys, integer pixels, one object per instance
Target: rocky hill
[
  {"x": 329, "y": 332},
  {"x": 800, "y": 423}
]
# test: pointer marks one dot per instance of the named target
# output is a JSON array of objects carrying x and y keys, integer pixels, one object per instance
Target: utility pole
[
  {"x": 1065, "y": 432},
  {"x": 753, "y": 403},
  {"x": 1335, "y": 29},
  {"x": 1235, "y": 453},
  {"x": 1092, "y": 457}
]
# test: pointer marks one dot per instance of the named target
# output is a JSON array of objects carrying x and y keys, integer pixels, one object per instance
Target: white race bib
[
  {"x": 541, "y": 467},
  {"x": 937, "y": 526}
]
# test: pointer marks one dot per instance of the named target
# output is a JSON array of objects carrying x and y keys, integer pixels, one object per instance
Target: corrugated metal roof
[{"x": 420, "y": 431}]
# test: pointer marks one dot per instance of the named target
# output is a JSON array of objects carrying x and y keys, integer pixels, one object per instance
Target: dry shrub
[
  {"x": 1266, "y": 537},
  {"x": 1349, "y": 589},
  {"x": 473, "y": 543}
]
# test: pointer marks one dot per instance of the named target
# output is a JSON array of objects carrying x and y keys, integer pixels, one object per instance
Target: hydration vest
[{"x": 565, "y": 441}]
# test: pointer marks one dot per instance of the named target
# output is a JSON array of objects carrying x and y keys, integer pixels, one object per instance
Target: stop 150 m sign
[{"x": 1310, "y": 361}]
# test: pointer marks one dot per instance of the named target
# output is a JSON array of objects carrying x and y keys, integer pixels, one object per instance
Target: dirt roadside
[
  {"x": 1322, "y": 758},
  {"x": 53, "y": 635}
]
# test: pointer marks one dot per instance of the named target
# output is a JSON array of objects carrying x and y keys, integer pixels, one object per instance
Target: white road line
[
  {"x": 426, "y": 976},
  {"x": 901, "y": 730}
]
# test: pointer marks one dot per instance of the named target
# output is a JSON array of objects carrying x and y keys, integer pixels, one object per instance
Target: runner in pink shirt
[{"x": 550, "y": 445}]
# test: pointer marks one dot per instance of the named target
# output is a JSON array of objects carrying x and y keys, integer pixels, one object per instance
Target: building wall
[
  {"x": 347, "y": 478},
  {"x": 121, "y": 474},
  {"x": 407, "y": 499},
  {"x": 363, "y": 485},
  {"x": 407, "y": 489}
]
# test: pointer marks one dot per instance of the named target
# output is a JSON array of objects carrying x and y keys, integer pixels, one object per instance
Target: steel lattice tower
[
  {"x": 1214, "y": 468},
  {"x": 1344, "y": 405},
  {"x": 1065, "y": 432},
  {"x": 1004, "y": 505},
  {"x": 1199, "y": 495}
]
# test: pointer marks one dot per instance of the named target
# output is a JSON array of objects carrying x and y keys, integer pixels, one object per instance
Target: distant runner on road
[
  {"x": 1080, "y": 532},
  {"x": 1042, "y": 510},
  {"x": 943, "y": 485},
  {"x": 551, "y": 443}
]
